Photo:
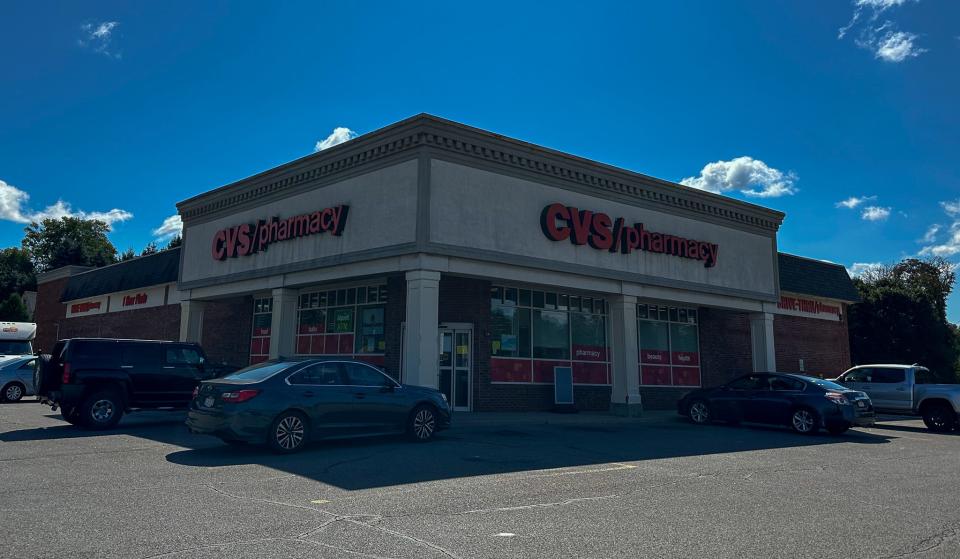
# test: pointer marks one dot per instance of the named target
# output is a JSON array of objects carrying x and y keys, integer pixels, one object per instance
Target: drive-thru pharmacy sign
[
  {"x": 250, "y": 238},
  {"x": 584, "y": 227}
]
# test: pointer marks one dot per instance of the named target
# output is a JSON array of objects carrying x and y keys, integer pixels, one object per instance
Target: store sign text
[
  {"x": 80, "y": 308},
  {"x": 584, "y": 227},
  {"x": 135, "y": 300},
  {"x": 251, "y": 238},
  {"x": 808, "y": 306}
]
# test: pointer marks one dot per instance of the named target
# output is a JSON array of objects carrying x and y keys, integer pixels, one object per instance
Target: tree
[
  {"x": 16, "y": 272},
  {"x": 68, "y": 241},
  {"x": 930, "y": 279},
  {"x": 12, "y": 309},
  {"x": 902, "y": 318},
  {"x": 151, "y": 248},
  {"x": 174, "y": 242},
  {"x": 126, "y": 255}
]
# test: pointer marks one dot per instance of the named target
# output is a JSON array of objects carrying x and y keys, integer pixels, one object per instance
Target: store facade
[{"x": 484, "y": 266}]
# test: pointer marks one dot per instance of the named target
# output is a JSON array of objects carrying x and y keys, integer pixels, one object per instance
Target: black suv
[{"x": 94, "y": 381}]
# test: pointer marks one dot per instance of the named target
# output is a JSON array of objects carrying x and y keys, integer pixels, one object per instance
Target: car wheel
[
  {"x": 837, "y": 429},
  {"x": 71, "y": 415},
  {"x": 699, "y": 412},
  {"x": 289, "y": 432},
  {"x": 422, "y": 424},
  {"x": 12, "y": 392},
  {"x": 939, "y": 418},
  {"x": 804, "y": 421},
  {"x": 102, "y": 409}
]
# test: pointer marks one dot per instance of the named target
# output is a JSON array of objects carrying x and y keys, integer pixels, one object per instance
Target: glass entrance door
[{"x": 456, "y": 366}]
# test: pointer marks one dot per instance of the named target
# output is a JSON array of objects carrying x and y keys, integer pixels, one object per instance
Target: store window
[
  {"x": 532, "y": 332},
  {"x": 345, "y": 321},
  {"x": 260, "y": 336},
  {"x": 669, "y": 344}
]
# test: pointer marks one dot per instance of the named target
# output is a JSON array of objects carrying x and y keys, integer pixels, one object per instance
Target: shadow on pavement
[
  {"x": 463, "y": 451},
  {"x": 381, "y": 462}
]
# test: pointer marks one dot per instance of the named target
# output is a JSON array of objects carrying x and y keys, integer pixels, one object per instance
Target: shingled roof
[
  {"x": 806, "y": 276},
  {"x": 159, "y": 268}
]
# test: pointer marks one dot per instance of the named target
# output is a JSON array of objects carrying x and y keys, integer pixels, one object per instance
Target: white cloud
[
  {"x": 931, "y": 234},
  {"x": 875, "y": 213},
  {"x": 99, "y": 37},
  {"x": 951, "y": 244},
  {"x": 854, "y": 201},
  {"x": 747, "y": 175},
  {"x": 897, "y": 46},
  {"x": 170, "y": 228},
  {"x": 339, "y": 135},
  {"x": 951, "y": 208},
  {"x": 13, "y": 208},
  {"x": 860, "y": 269},
  {"x": 885, "y": 41}
]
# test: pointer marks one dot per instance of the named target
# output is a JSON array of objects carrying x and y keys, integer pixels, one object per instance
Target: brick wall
[
  {"x": 154, "y": 323},
  {"x": 49, "y": 313},
  {"x": 725, "y": 353},
  {"x": 823, "y": 345},
  {"x": 227, "y": 324},
  {"x": 725, "y": 350}
]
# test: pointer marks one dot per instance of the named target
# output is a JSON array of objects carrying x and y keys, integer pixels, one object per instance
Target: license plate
[
  {"x": 861, "y": 403},
  {"x": 208, "y": 402}
]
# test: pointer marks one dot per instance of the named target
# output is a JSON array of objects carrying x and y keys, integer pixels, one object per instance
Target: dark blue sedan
[
  {"x": 287, "y": 403},
  {"x": 803, "y": 403}
]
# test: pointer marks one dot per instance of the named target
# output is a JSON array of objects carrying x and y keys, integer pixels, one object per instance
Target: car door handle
[
  {"x": 359, "y": 395},
  {"x": 308, "y": 393},
  {"x": 168, "y": 367},
  {"x": 901, "y": 389}
]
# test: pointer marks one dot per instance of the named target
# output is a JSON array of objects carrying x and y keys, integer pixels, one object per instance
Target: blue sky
[{"x": 121, "y": 109}]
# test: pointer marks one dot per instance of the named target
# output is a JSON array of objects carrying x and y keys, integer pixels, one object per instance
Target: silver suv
[{"x": 907, "y": 389}]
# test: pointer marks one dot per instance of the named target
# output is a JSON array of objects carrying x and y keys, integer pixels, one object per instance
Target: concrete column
[
  {"x": 283, "y": 323},
  {"x": 625, "y": 392},
  {"x": 761, "y": 342},
  {"x": 421, "y": 344},
  {"x": 191, "y": 321}
]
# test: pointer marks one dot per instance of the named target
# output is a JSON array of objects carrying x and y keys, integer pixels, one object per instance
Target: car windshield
[
  {"x": 259, "y": 371},
  {"x": 15, "y": 348},
  {"x": 824, "y": 383}
]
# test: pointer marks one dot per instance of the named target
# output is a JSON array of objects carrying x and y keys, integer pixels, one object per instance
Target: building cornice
[
  {"x": 62, "y": 272},
  {"x": 428, "y": 133}
]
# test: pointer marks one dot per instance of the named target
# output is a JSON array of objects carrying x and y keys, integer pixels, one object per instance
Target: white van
[{"x": 16, "y": 338}]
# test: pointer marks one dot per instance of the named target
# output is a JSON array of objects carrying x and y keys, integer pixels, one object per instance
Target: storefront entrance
[{"x": 456, "y": 364}]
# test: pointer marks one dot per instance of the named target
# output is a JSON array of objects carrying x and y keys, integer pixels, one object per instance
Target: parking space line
[{"x": 553, "y": 473}]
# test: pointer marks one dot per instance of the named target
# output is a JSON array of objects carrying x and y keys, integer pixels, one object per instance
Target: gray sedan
[{"x": 16, "y": 377}]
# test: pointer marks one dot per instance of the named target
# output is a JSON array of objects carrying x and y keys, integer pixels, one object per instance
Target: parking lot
[{"x": 657, "y": 487}]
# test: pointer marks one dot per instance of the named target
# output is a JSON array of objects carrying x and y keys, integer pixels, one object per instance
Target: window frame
[
  {"x": 328, "y": 299},
  {"x": 570, "y": 302},
  {"x": 664, "y": 313}
]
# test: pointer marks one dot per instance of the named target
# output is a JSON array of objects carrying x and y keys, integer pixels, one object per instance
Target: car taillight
[
  {"x": 238, "y": 396},
  {"x": 196, "y": 390},
  {"x": 66, "y": 373},
  {"x": 837, "y": 398}
]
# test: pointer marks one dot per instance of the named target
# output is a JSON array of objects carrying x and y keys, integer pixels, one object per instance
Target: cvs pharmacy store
[{"x": 485, "y": 266}]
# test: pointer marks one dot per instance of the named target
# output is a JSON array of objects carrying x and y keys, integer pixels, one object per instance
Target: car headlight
[{"x": 444, "y": 396}]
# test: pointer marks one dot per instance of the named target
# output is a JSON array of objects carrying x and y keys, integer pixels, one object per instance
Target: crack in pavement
[
  {"x": 334, "y": 518},
  {"x": 944, "y": 536}
]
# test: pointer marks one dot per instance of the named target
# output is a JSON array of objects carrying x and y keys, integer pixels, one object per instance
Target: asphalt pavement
[{"x": 657, "y": 487}]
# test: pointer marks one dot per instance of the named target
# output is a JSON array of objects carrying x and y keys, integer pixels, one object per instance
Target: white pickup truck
[{"x": 907, "y": 389}]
